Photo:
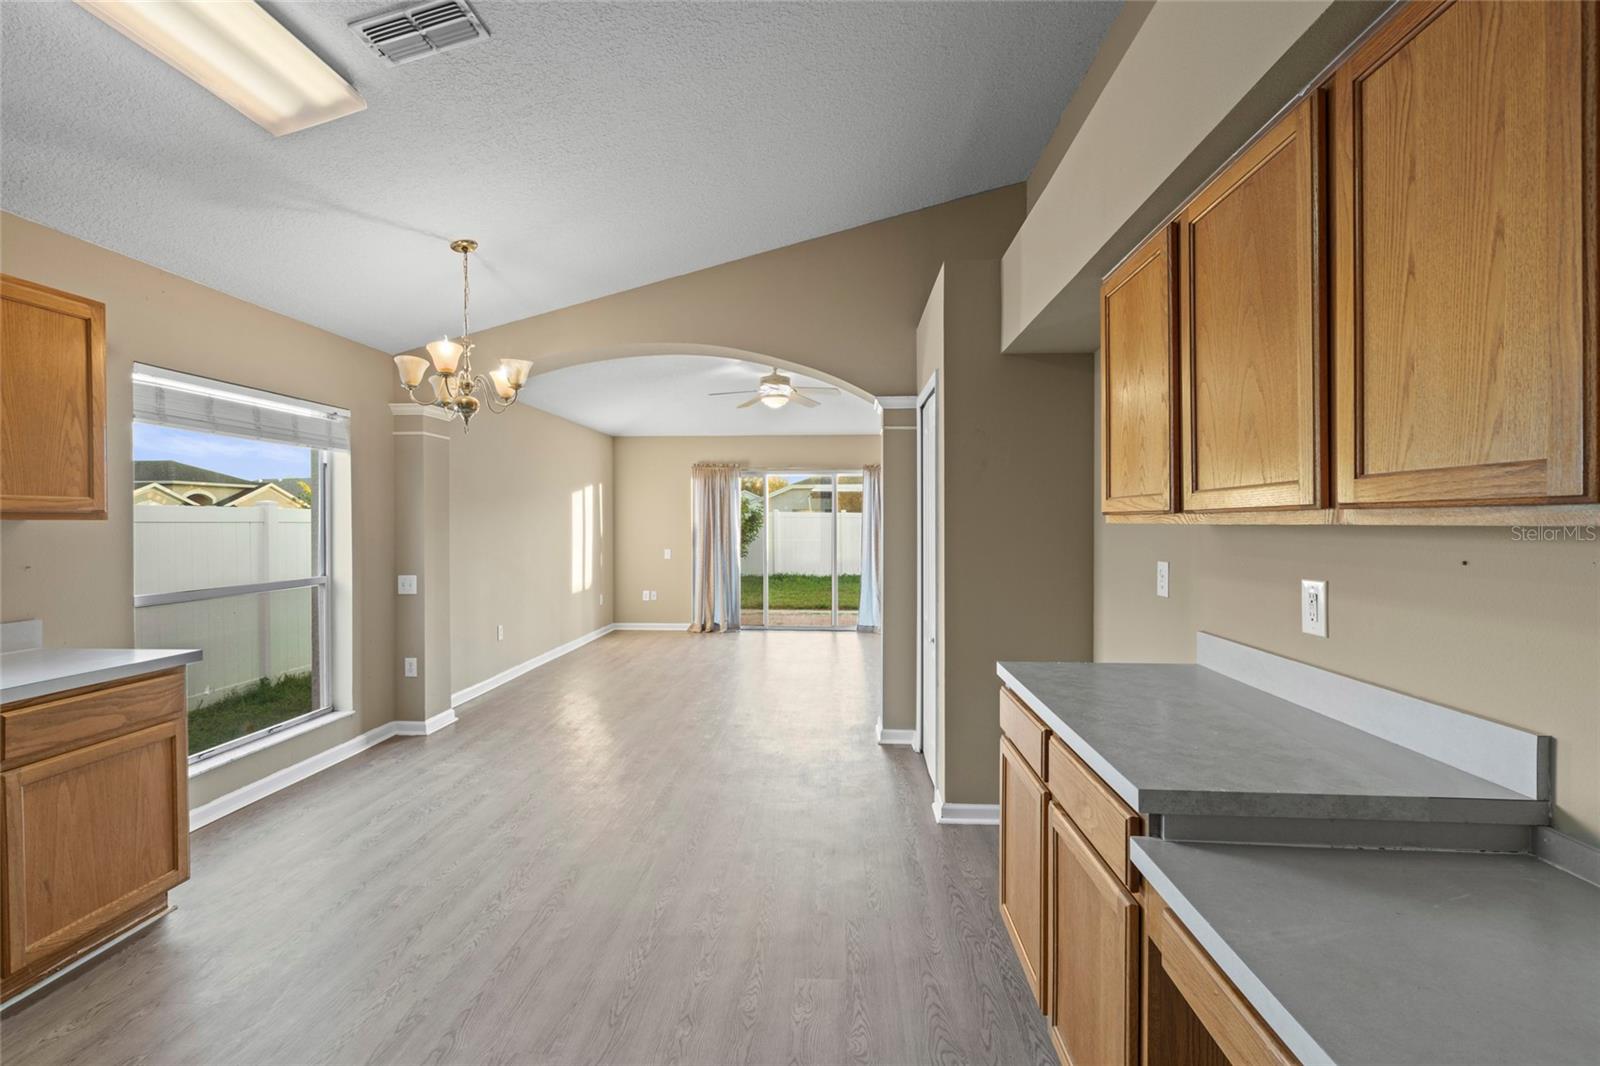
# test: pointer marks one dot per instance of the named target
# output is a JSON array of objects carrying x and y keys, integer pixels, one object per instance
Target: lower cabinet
[
  {"x": 94, "y": 835},
  {"x": 1023, "y": 805},
  {"x": 1092, "y": 959}
]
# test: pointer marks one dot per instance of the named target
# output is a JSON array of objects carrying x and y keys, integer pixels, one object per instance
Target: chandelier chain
[{"x": 466, "y": 293}]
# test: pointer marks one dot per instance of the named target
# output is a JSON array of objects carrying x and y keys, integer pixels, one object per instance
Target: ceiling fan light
[
  {"x": 775, "y": 399},
  {"x": 446, "y": 354}
]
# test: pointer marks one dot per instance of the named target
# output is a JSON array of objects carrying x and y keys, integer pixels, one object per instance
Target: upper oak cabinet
[
  {"x": 1465, "y": 254},
  {"x": 1138, "y": 367},
  {"x": 52, "y": 403},
  {"x": 1252, "y": 367}
]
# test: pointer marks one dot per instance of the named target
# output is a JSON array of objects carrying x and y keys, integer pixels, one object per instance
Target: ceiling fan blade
[
  {"x": 819, "y": 389},
  {"x": 751, "y": 402},
  {"x": 736, "y": 392},
  {"x": 803, "y": 400}
]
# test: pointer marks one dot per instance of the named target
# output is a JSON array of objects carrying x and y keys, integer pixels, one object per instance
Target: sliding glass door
[{"x": 801, "y": 549}]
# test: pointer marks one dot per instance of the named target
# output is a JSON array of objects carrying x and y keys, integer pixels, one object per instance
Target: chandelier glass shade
[{"x": 454, "y": 386}]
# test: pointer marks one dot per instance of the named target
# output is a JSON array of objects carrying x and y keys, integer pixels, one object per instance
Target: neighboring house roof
[
  {"x": 172, "y": 470},
  {"x": 266, "y": 492}
]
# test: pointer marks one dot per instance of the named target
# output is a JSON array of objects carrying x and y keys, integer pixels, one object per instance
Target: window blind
[{"x": 185, "y": 401}]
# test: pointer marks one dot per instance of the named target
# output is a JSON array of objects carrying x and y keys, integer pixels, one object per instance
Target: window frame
[{"x": 318, "y": 582}]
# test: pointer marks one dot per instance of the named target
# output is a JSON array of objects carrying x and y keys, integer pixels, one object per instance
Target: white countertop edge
[
  {"x": 1273, "y": 1012},
  {"x": 1080, "y": 747},
  {"x": 158, "y": 660}
]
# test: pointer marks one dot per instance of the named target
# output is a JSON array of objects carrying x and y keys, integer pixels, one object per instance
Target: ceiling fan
[{"x": 775, "y": 389}]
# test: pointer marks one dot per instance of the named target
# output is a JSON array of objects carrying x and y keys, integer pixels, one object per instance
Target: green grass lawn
[
  {"x": 265, "y": 704},
  {"x": 800, "y": 592}
]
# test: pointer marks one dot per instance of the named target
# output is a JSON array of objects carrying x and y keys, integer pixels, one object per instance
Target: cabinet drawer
[
  {"x": 59, "y": 723},
  {"x": 1024, "y": 729},
  {"x": 1099, "y": 813},
  {"x": 1239, "y": 1032}
]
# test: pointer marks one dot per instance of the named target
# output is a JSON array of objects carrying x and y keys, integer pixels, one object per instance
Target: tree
[{"x": 750, "y": 521}]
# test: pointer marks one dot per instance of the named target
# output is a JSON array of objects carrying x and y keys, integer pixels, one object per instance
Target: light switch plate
[
  {"x": 499, "y": 632},
  {"x": 1314, "y": 608},
  {"x": 645, "y": 595},
  {"x": 408, "y": 584},
  {"x": 666, "y": 553},
  {"x": 1162, "y": 587},
  {"x": 411, "y": 666}
]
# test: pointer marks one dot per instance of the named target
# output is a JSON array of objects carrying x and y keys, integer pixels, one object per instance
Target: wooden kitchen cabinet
[
  {"x": 1465, "y": 249},
  {"x": 1092, "y": 958},
  {"x": 1138, "y": 380},
  {"x": 1252, "y": 419},
  {"x": 94, "y": 834},
  {"x": 1023, "y": 804},
  {"x": 52, "y": 403}
]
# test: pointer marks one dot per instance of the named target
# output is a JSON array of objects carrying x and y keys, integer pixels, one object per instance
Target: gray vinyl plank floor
[{"x": 660, "y": 848}]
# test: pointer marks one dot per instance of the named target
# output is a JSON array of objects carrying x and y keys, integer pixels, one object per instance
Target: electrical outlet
[
  {"x": 1161, "y": 579},
  {"x": 411, "y": 666},
  {"x": 652, "y": 595},
  {"x": 408, "y": 584},
  {"x": 666, "y": 553},
  {"x": 499, "y": 632},
  {"x": 1314, "y": 608}
]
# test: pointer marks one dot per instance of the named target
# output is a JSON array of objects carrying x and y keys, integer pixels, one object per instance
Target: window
[{"x": 232, "y": 505}]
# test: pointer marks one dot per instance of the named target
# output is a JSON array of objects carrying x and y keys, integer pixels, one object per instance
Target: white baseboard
[
  {"x": 223, "y": 805},
  {"x": 681, "y": 627},
  {"x": 964, "y": 813},
  {"x": 472, "y": 692},
  {"x": 896, "y": 736},
  {"x": 426, "y": 727}
]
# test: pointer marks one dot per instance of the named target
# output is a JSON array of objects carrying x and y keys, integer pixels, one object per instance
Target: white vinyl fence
[
  {"x": 245, "y": 638},
  {"x": 802, "y": 543}
]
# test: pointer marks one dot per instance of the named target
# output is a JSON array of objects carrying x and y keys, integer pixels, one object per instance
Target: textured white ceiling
[
  {"x": 667, "y": 396},
  {"x": 590, "y": 147}
]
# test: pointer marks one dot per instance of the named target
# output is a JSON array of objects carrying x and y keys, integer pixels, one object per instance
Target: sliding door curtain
[{"x": 714, "y": 519}]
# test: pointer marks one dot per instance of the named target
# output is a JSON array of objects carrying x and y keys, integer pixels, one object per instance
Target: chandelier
[{"x": 455, "y": 387}]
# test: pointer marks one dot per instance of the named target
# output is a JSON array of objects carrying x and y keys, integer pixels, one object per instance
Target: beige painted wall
[
  {"x": 652, "y": 475},
  {"x": 1190, "y": 88},
  {"x": 78, "y": 576},
  {"x": 514, "y": 543},
  {"x": 899, "y": 569},
  {"x": 844, "y": 306},
  {"x": 1475, "y": 619},
  {"x": 1016, "y": 525}
]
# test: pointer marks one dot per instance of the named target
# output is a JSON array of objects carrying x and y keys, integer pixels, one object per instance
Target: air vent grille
[{"x": 423, "y": 30}]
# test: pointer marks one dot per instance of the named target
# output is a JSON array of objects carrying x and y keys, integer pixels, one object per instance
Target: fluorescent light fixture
[{"x": 240, "y": 53}]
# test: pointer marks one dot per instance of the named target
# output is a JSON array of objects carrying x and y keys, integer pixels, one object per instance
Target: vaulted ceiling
[{"x": 589, "y": 147}]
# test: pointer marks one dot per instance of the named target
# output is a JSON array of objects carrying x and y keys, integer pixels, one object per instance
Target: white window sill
[{"x": 233, "y": 755}]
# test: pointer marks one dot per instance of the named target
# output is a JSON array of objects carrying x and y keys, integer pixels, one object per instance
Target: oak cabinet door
[
  {"x": 1023, "y": 800},
  {"x": 52, "y": 403},
  {"x": 1465, "y": 246},
  {"x": 1093, "y": 957},
  {"x": 1138, "y": 376},
  {"x": 1253, "y": 368},
  {"x": 90, "y": 836}
]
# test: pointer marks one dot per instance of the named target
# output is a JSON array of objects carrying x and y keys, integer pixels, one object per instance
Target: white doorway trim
[{"x": 928, "y": 651}]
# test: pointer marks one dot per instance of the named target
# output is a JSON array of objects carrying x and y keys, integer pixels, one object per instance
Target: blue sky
[{"x": 254, "y": 460}]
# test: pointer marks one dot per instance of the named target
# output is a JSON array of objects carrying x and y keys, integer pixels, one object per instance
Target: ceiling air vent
[{"x": 423, "y": 30}]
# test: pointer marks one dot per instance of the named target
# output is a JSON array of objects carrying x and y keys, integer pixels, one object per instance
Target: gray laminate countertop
[
  {"x": 1356, "y": 956},
  {"x": 1180, "y": 739},
  {"x": 25, "y": 675}
]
